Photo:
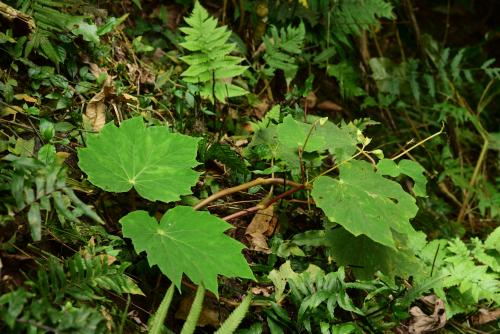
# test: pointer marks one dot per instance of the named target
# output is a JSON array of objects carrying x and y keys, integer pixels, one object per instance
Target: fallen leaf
[
  {"x": 129, "y": 97},
  {"x": 259, "y": 243},
  {"x": 485, "y": 316},
  {"x": 265, "y": 291},
  {"x": 26, "y": 98},
  {"x": 263, "y": 222},
  {"x": 422, "y": 323},
  {"x": 329, "y": 106},
  {"x": 10, "y": 110},
  {"x": 96, "y": 111},
  {"x": 262, "y": 225},
  {"x": 241, "y": 142}
]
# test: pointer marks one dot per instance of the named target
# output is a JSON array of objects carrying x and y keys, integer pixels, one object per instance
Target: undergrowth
[{"x": 266, "y": 167}]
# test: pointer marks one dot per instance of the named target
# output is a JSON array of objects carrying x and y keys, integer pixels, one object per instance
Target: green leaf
[
  {"x": 293, "y": 135},
  {"x": 187, "y": 241},
  {"x": 78, "y": 26},
  {"x": 364, "y": 202},
  {"x": 35, "y": 221},
  {"x": 156, "y": 162},
  {"x": 407, "y": 167},
  {"x": 340, "y": 141},
  {"x": 366, "y": 257},
  {"x": 111, "y": 23},
  {"x": 493, "y": 240}
]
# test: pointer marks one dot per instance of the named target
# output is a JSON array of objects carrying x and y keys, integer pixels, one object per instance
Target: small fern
[
  {"x": 224, "y": 154},
  {"x": 60, "y": 296},
  {"x": 351, "y": 17},
  {"x": 210, "y": 63},
  {"x": 282, "y": 48},
  {"x": 40, "y": 186},
  {"x": 53, "y": 25},
  {"x": 82, "y": 278}
]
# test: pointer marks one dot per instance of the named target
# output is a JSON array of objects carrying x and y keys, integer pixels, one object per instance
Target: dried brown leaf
[
  {"x": 96, "y": 111},
  {"x": 486, "y": 316},
  {"x": 423, "y": 323},
  {"x": 262, "y": 225}
]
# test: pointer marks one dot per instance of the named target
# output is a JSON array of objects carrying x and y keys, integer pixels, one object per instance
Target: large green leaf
[
  {"x": 408, "y": 167},
  {"x": 364, "y": 202},
  {"x": 293, "y": 135},
  {"x": 366, "y": 257},
  {"x": 156, "y": 162},
  {"x": 187, "y": 241}
]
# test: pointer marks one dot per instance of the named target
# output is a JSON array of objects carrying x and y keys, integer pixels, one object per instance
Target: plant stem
[
  {"x": 419, "y": 143},
  {"x": 264, "y": 204},
  {"x": 161, "y": 313},
  {"x": 257, "y": 182},
  {"x": 194, "y": 313}
]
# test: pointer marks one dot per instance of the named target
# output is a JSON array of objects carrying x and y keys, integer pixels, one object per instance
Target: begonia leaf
[
  {"x": 153, "y": 160},
  {"x": 365, "y": 202},
  {"x": 187, "y": 242}
]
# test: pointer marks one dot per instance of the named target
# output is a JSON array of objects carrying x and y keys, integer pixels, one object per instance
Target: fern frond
[
  {"x": 351, "y": 17},
  {"x": 224, "y": 154},
  {"x": 282, "y": 47},
  {"x": 211, "y": 59},
  {"x": 82, "y": 278},
  {"x": 34, "y": 185}
]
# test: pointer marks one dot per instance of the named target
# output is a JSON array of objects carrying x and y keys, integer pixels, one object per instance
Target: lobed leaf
[
  {"x": 187, "y": 242},
  {"x": 154, "y": 161},
  {"x": 364, "y": 202}
]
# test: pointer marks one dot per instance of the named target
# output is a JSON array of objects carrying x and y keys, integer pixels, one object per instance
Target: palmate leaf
[
  {"x": 364, "y": 202},
  {"x": 156, "y": 162},
  {"x": 187, "y": 242},
  {"x": 411, "y": 168},
  {"x": 366, "y": 256},
  {"x": 293, "y": 135}
]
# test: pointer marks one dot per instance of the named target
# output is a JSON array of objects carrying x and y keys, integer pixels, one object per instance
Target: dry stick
[{"x": 245, "y": 186}]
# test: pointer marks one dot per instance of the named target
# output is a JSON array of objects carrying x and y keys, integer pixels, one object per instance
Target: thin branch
[
  {"x": 245, "y": 186},
  {"x": 264, "y": 204}
]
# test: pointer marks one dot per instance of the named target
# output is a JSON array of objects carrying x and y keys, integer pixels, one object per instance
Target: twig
[
  {"x": 245, "y": 186},
  {"x": 264, "y": 204}
]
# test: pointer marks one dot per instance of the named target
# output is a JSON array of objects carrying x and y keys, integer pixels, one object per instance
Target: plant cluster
[{"x": 258, "y": 164}]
